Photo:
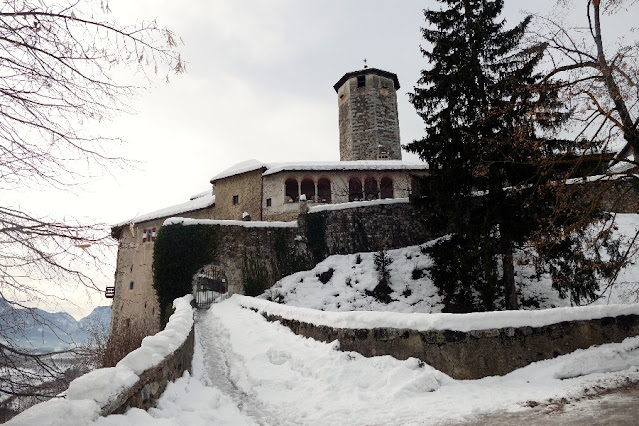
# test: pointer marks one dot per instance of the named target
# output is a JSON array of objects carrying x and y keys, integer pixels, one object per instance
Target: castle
[{"x": 370, "y": 168}]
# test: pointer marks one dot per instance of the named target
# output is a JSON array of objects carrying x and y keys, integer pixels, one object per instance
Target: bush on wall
[{"x": 179, "y": 252}]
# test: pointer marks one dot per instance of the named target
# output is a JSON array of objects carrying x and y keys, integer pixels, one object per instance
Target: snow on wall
[
  {"x": 246, "y": 224},
  {"x": 356, "y": 204},
  {"x": 89, "y": 394},
  {"x": 441, "y": 321}
]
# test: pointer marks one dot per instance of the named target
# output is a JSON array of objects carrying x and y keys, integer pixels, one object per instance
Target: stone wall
[
  {"x": 365, "y": 227},
  {"x": 368, "y": 119},
  {"x": 474, "y": 354},
  {"x": 620, "y": 196},
  {"x": 252, "y": 253},
  {"x": 247, "y": 187},
  {"x": 135, "y": 303},
  {"x": 152, "y": 382}
]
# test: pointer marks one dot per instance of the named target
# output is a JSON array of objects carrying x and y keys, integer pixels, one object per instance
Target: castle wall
[
  {"x": 247, "y": 187},
  {"x": 364, "y": 227},
  {"x": 136, "y": 305}
]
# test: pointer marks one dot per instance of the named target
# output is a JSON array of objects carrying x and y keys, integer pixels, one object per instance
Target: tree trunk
[
  {"x": 510, "y": 290},
  {"x": 628, "y": 126}
]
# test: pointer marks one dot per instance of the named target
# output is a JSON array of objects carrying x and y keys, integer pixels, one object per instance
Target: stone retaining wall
[
  {"x": 474, "y": 354},
  {"x": 152, "y": 382}
]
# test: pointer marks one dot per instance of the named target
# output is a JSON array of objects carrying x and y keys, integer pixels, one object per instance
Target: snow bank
[
  {"x": 438, "y": 321},
  {"x": 89, "y": 394},
  {"x": 602, "y": 359},
  {"x": 56, "y": 412},
  {"x": 249, "y": 224},
  {"x": 157, "y": 347}
]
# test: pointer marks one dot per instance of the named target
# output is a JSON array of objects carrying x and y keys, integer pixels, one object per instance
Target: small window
[
  {"x": 236, "y": 199},
  {"x": 131, "y": 284},
  {"x": 361, "y": 80},
  {"x": 268, "y": 202}
]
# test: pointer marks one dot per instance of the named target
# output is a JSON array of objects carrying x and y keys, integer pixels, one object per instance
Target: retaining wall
[{"x": 460, "y": 351}]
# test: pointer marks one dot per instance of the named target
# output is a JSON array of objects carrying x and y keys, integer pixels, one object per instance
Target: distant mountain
[{"x": 41, "y": 331}]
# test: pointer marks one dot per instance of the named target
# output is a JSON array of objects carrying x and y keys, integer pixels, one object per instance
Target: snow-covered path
[
  {"x": 213, "y": 368},
  {"x": 249, "y": 371}
]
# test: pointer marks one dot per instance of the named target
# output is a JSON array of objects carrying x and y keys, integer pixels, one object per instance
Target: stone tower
[{"x": 368, "y": 121}]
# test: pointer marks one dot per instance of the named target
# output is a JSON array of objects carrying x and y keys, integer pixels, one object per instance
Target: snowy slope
[{"x": 353, "y": 277}]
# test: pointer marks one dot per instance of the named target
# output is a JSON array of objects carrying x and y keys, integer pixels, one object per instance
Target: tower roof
[{"x": 365, "y": 71}]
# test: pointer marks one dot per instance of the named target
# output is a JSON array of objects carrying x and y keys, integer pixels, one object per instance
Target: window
[
  {"x": 371, "y": 191},
  {"x": 386, "y": 187},
  {"x": 268, "y": 202},
  {"x": 324, "y": 190},
  {"x": 236, "y": 199},
  {"x": 354, "y": 189},
  {"x": 291, "y": 193},
  {"x": 361, "y": 80},
  {"x": 131, "y": 284},
  {"x": 148, "y": 235},
  {"x": 308, "y": 189}
]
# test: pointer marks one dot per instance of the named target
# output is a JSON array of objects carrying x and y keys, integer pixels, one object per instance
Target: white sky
[{"x": 258, "y": 85}]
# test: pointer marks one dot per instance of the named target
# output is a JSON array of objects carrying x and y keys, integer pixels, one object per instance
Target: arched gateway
[{"x": 209, "y": 284}]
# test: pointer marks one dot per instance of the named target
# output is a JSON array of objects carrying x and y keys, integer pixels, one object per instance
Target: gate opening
[{"x": 210, "y": 286}]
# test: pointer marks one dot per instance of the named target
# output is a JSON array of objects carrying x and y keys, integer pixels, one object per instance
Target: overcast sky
[{"x": 258, "y": 85}]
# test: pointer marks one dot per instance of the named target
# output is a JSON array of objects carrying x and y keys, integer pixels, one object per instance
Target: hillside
[
  {"x": 347, "y": 282},
  {"x": 41, "y": 331}
]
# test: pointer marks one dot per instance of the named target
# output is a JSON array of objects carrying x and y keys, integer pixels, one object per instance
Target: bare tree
[
  {"x": 58, "y": 60},
  {"x": 601, "y": 76}
]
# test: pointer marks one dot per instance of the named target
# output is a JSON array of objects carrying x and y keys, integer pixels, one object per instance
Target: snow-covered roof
[
  {"x": 272, "y": 168},
  {"x": 201, "y": 202},
  {"x": 345, "y": 165},
  {"x": 239, "y": 168}
]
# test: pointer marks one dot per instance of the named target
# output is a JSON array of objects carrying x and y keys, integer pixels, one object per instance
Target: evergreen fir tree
[{"x": 483, "y": 102}]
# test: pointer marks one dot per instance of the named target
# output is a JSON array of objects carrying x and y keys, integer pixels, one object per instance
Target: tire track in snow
[{"x": 213, "y": 340}]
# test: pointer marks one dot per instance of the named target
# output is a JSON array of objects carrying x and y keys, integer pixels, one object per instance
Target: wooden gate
[{"x": 210, "y": 286}]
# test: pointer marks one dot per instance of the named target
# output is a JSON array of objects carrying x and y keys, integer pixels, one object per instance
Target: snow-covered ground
[
  {"x": 345, "y": 282},
  {"x": 249, "y": 371}
]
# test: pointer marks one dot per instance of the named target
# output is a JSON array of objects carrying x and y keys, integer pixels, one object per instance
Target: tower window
[
  {"x": 131, "y": 284},
  {"x": 236, "y": 199},
  {"x": 268, "y": 202},
  {"x": 361, "y": 80}
]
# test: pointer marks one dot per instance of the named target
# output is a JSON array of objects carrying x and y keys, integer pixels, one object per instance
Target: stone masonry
[{"x": 368, "y": 120}]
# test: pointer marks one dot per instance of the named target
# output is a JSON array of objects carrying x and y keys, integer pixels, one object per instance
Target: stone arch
[
  {"x": 291, "y": 190},
  {"x": 371, "y": 190},
  {"x": 386, "y": 188},
  {"x": 308, "y": 188},
  {"x": 209, "y": 283},
  {"x": 355, "y": 189},
  {"x": 324, "y": 190}
]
